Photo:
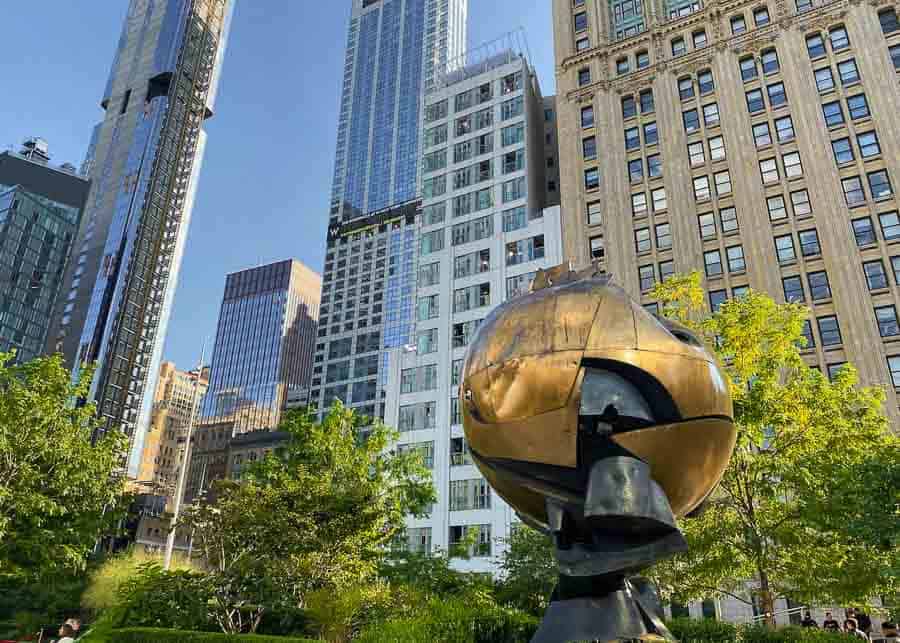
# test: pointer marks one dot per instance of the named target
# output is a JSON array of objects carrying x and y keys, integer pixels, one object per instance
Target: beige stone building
[
  {"x": 756, "y": 141},
  {"x": 172, "y": 405}
]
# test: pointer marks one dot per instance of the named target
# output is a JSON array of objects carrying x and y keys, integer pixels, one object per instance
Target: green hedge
[
  {"x": 702, "y": 631},
  {"x": 760, "y": 634},
  {"x": 159, "y": 635}
]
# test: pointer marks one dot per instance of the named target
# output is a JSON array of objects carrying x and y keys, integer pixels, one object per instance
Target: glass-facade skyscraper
[
  {"x": 264, "y": 344},
  {"x": 395, "y": 51},
  {"x": 143, "y": 161}
]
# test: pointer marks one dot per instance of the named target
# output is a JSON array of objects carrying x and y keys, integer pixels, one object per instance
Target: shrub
[
  {"x": 761, "y": 634},
  {"x": 702, "y": 631},
  {"x": 161, "y": 599},
  {"x": 160, "y": 635},
  {"x": 455, "y": 622}
]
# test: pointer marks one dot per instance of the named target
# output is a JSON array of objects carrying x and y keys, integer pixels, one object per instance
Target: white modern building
[{"x": 483, "y": 232}]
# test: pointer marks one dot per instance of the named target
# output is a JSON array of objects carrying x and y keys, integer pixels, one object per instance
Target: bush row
[
  {"x": 159, "y": 635},
  {"x": 708, "y": 631}
]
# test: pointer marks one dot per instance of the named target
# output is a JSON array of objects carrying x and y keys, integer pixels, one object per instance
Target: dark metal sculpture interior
[{"x": 600, "y": 424}]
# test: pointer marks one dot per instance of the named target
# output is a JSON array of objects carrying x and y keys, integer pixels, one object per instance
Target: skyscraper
[
  {"x": 484, "y": 232},
  {"x": 40, "y": 209},
  {"x": 264, "y": 344},
  {"x": 395, "y": 49},
  {"x": 753, "y": 142},
  {"x": 144, "y": 161}
]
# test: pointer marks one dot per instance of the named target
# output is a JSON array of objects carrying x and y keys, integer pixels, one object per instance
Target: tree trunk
[{"x": 766, "y": 600}]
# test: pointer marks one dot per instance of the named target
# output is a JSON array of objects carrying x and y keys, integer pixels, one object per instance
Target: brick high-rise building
[{"x": 754, "y": 141}]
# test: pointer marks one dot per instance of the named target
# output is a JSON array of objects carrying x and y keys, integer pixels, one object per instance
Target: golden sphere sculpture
[{"x": 576, "y": 371}]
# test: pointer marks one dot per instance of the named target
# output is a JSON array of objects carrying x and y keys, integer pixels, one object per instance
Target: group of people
[{"x": 857, "y": 624}]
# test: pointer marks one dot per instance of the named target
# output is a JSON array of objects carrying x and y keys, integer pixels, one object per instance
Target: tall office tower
[
  {"x": 395, "y": 49},
  {"x": 264, "y": 345},
  {"x": 484, "y": 232},
  {"x": 40, "y": 208},
  {"x": 178, "y": 394},
  {"x": 144, "y": 162},
  {"x": 753, "y": 142}
]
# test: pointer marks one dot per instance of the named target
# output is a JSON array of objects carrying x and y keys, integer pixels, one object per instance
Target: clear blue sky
[{"x": 266, "y": 177}]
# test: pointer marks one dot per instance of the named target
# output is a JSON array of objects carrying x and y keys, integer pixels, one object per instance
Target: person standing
[
  {"x": 66, "y": 634},
  {"x": 809, "y": 621},
  {"x": 830, "y": 624},
  {"x": 865, "y": 623}
]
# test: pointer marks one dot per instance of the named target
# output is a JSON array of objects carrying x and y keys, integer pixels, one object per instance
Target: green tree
[
  {"x": 59, "y": 490},
  {"x": 317, "y": 515},
  {"x": 808, "y": 508},
  {"x": 528, "y": 570}
]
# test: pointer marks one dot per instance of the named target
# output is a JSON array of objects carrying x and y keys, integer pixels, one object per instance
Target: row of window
[{"x": 465, "y": 100}]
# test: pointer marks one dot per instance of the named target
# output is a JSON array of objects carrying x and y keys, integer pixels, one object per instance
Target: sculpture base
[{"x": 630, "y": 613}]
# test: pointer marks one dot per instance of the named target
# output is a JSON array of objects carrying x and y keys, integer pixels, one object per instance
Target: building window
[
  {"x": 629, "y": 107},
  {"x": 587, "y": 116},
  {"x": 755, "y": 102},
  {"x": 660, "y": 202},
  {"x": 824, "y": 79},
  {"x": 792, "y": 166},
  {"x": 784, "y": 129},
  {"x": 728, "y": 219},
  {"x": 639, "y": 204},
  {"x": 701, "y": 188},
  {"x": 770, "y": 64},
  {"x": 685, "y": 88},
  {"x": 809, "y": 243},
  {"x": 699, "y": 39},
  {"x": 888, "y": 20},
  {"x": 666, "y": 269},
  {"x": 651, "y": 134},
  {"x": 894, "y": 51},
  {"x": 848, "y": 72},
  {"x": 654, "y": 166},
  {"x": 815, "y": 46},
  {"x": 723, "y": 182},
  {"x": 876, "y": 277},
  {"x": 777, "y": 95},
  {"x": 890, "y": 225},
  {"x": 776, "y": 207},
  {"x": 738, "y": 24},
  {"x": 647, "y": 276},
  {"x": 642, "y": 240},
  {"x": 803, "y": 5},
  {"x": 868, "y": 144},
  {"x": 863, "y": 231},
  {"x": 581, "y": 22},
  {"x": 707, "y": 226},
  {"x": 838, "y": 38},
  {"x": 622, "y": 66},
  {"x": 819, "y": 288},
  {"x": 761, "y": 135},
  {"x": 643, "y": 59},
  {"x": 894, "y": 368},
  {"x": 748, "y": 68},
  {"x": 736, "y": 262},
  {"x": 712, "y": 261},
  {"x": 711, "y": 114},
  {"x": 768, "y": 169},
  {"x": 800, "y": 202},
  {"x": 696, "y": 153},
  {"x": 829, "y": 331},
  {"x": 597, "y": 248},
  {"x": 691, "y": 119},
  {"x": 716, "y": 299},
  {"x": 632, "y": 138},
  {"x": 833, "y": 113},
  {"x": 793, "y": 289},
  {"x": 679, "y": 47},
  {"x": 886, "y": 317},
  {"x": 705, "y": 82},
  {"x": 646, "y": 99},
  {"x": 784, "y": 249},
  {"x": 716, "y": 148},
  {"x": 635, "y": 170},
  {"x": 853, "y": 191},
  {"x": 858, "y": 107},
  {"x": 594, "y": 215},
  {"x": 582, "y": 44},
  {"x": 589, "y": 148},
  {"x": 843, "y": 151},
  {"x": 584, "y": 76},
  {"x": 761, "y": 16},
  {"x": 880, "y": 184},
  {"x": 469, "y": 494},
  {"x": 663, "y": 236},
  {"x": 591, "y": 179}
]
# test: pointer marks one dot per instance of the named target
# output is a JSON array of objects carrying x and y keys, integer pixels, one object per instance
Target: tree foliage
[
  {"x": 528, "y": 570},
  {"x": 808, "y": 508},
  {"x": 318, "y": 515},
  {"x": 58, "y": 489}
]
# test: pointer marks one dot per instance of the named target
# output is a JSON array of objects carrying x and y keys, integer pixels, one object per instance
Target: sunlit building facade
[{"x": 144, "y": 162}]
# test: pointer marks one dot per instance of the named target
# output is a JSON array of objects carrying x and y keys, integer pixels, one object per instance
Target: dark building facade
[{"x": 144, "y": 161}]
